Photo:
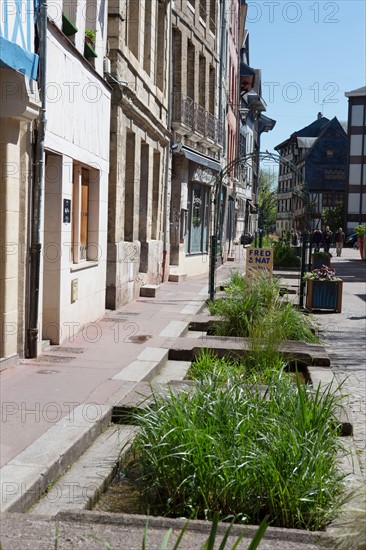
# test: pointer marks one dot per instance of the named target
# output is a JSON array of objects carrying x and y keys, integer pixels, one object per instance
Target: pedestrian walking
[
  {"x": 339, "y": 238},
  {"x": 327, "y": 238},
  {"x": 317, "y": 239}
]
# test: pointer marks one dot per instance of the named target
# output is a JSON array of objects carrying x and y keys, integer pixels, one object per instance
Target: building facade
[
  {"x": 205, "y": 123},
  {"x": 139, "y": 185},
  {"x": 76, "y": 169},
  {"x": 312, "y": 174},
  {"x": 19, "y": 108},
  {"x": 253, "y": 123},
  {"x": 356, "y": 184},
  {"x": 197, "y": 133}
]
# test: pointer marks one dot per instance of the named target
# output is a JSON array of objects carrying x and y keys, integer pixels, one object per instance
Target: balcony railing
[
  {"x": 182, "y": 110},
  {"x": 219, "y": 132},
  {"x": 210, "y": 126},
  {"x": 199, "y": 119},
  {"x": 192, "y": 120}
]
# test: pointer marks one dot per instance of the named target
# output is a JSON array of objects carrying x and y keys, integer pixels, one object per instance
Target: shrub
[
  {"x": 242, "y": 451},
  {"x": 284, "y": 255},
  {"x": 253, "y": 307}
]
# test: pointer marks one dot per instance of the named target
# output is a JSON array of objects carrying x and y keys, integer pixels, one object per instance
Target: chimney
[{"x": 319, "y": 116}]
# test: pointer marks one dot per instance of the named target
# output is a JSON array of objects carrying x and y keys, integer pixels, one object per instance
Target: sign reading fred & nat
[{"x": 259, "y": 261}]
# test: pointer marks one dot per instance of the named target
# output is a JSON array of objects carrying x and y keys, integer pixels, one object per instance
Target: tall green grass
[
  {"x": 258, "y": 366},
  {"x": 253, "y": 307},
  {"x": 228, "y": 447}
]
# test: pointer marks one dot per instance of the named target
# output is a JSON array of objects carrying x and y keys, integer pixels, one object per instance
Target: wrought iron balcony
[
  {"x": 210, "y": 126},
  {"x": 191, "y": 120},
  {"x": 182, "y": 115},
  {"x": 219, "y": 132},
  {"x": 199, "y": 120}
]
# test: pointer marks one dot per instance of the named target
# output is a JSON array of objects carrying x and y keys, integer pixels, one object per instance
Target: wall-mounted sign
[
  {"x": 259, "y": 261},
  {"x": 67, "y": 211},
  {"x": 203, "y": 175}
]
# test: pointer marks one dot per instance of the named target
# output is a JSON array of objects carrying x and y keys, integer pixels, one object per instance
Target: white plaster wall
[
  {"x": 78, "y": 129},
  {"x": 78, "y": 103}
]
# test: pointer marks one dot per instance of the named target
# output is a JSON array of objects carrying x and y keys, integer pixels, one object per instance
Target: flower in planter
[
  {"x": 90, "y": 34},
  {"x": 360, "y": 231},
  {"x": 324, "y": 273}
]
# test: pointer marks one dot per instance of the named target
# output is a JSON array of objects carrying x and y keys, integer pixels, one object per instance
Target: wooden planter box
[
  {"x": 318, "y": 261},
  {"x": 324, "y": 295}
]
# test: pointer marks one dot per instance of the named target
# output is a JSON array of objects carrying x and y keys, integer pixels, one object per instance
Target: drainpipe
[
  {"x": 221, "y": 71},
  {"x": 37, "y": 191},
  {"x": 168, "y": 151}
]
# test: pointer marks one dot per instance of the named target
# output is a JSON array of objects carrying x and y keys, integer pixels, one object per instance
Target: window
[
  {"x": 357, "y": 115},
  {"x": 213, "y": 16},
  {"x": 85, "y": 214},
  {"x": 203, "y": 10},
  {"x": 329, "y": 152},
  {"x": 147, "y": 36},
  {"x": 133, "y": 16},
  {"x": 198, "y": 209}
]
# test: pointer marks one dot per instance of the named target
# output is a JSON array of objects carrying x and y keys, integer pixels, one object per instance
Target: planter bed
[
  {"x": 124, "y": 487},
  {"x": 186, "y": 349}
]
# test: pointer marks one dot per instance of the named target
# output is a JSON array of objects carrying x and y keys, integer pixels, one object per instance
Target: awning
[
  {"x": 245, "y": 70},
  {"x": 201, "y": 159},
  {"x": 251, "y": 205}
]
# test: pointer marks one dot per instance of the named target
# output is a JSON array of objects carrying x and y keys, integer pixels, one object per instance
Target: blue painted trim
[
  {"x": 6, "y": 21},
  {"x": 14, "y": 57},
  {"x": 30, "y": 22},
  {"x": 19, "y": 25}
]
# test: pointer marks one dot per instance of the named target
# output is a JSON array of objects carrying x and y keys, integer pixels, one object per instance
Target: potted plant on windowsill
[
  {"x": 320, "y": 258},
  {"x": 89, "y": 44},
  {"x": 360, "y": 231},
  {"x": 323, "y": 289}
]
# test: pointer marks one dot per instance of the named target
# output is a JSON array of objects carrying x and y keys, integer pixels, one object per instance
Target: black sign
[{"x": 67, "y": 210}]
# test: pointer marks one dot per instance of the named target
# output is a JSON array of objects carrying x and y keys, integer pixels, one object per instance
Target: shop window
[{"x": 198, "y": 207}]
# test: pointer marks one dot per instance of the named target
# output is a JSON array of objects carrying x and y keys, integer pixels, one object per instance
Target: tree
[
  {"x": 333, "y": 216},
  {"x": 267, "y": 200}
]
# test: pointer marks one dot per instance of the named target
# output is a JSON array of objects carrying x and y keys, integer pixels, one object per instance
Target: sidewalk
[
  {"x": 37, "y": 394},
  {"x": 71, "y": 388}
]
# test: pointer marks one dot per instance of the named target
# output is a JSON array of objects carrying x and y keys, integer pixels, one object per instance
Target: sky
[{"x": 310, "y": 54}]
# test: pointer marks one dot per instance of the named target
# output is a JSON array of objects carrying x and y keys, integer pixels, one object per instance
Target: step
[
  {"x": 80, "y": 487},
  {"x": 177, "y": 278},
  {"x": 149, "y": 291},
  {"x": 25, "y": 477},
  {"x": 145, "y": 366}
]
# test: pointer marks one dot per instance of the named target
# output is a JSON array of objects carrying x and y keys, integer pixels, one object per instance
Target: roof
[
  {"x": 357, "y": 92},
  {"x": 314, "y": 129},
  {"x": 311, "y": 133}
]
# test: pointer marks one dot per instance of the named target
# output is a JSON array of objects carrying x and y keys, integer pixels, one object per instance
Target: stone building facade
[
  {"x": 198, "y": 129},
  {"x": 139, "y": 46},
  {"x": 18, "y": 111}
]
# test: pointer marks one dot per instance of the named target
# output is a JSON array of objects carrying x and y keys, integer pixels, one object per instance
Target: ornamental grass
[{"x": 241, "y": 450}]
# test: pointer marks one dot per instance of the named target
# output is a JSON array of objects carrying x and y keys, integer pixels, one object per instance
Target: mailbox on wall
[{"x": 67, "y": 211}]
